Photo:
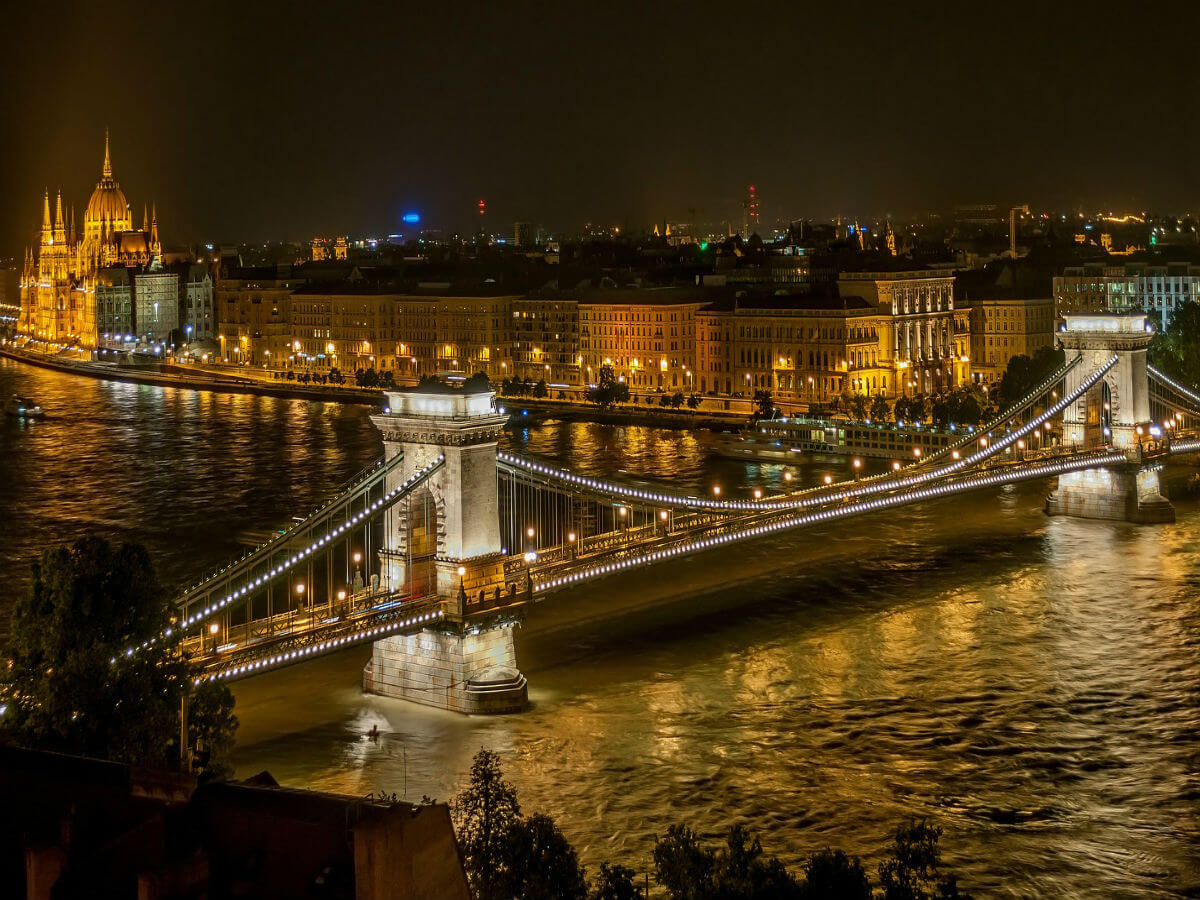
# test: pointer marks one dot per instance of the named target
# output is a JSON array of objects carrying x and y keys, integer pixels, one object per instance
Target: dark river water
[{"x": 1031, "y": 683}]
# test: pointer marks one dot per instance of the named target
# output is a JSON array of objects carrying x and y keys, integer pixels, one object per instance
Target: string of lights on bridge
[
  {"x": 860, "y": 489},
  {"x": 1040, "y": 470},
  {"x": 287, "y": 656},
  {"x": 287, "y": 565},
  {"x": 364, "y": 481},
  {"x": 1172, "y": 383}
]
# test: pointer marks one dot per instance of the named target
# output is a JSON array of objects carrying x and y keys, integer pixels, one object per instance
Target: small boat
[{"x": 22, "y": 408}]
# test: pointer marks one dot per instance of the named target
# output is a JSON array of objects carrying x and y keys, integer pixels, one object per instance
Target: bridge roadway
[{"x": 296, "y": 636}]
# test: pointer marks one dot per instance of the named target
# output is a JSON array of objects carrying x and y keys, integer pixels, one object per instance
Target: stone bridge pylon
[
  {"x": 446, "y": 541},
  {"x": 1116, "y": 411}
]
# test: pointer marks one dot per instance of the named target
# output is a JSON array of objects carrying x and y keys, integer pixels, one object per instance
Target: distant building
[
  {"x": 927, "y": 341},
  {"x": 802, "y": 348},
  {"x": 647, "y": 335},
  {"x": 58, "y": 285},
  {"x": 114, "y": 305},
  {"x": 197, "y": 313},
  {"x": 156, "y": 305},
  {"x": 978, "y": 215},
  {"x": 524, "y": 235},
  {"x": 1147, "y": 287},
  {"x": 340, "y": 247}
]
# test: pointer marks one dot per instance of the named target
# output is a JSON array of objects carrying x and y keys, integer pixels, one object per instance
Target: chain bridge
[{"x": 433, "y": 555}]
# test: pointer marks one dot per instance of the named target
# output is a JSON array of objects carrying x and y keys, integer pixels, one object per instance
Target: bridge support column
[
  {"x": 1114, "y": 412},
  {"x": 1127, "y": 494},
  {"x": 450, "y": 548},
  {"x": 463, "y": 669}
]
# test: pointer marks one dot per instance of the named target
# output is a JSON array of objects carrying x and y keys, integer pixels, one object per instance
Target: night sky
[{"x": 253, "y": 121}]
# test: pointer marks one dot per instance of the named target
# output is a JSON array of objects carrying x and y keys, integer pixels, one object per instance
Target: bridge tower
[
  {"x": 446, "y": 541},
  {"x": 1115, "y": 411}
]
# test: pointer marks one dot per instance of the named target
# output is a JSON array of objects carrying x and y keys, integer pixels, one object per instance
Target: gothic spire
[
  {"x": 58, "y": 213},
  {"x": 145, "y": 217},
  {"x": 47, "y": 222},
  {"x": 107, "y": 159}
]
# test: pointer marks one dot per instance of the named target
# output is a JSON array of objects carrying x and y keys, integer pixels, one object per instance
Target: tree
[
  {"x": 859, "y": 406},
  {"x": 615, "y": 882},
  {"x": 540, "y": 863},
  {"x": 693, "y": 401},
  {"x": 913, "y": 869},
  {"x": 970, "y": 410},
  {"x": 1176, "y": 349},
  {"x": 96, "y": 667},
  {"x": 943, "y": 409},
  {"x": 477, "y": 382},
  {"x": 742, "y": 871},
  {"x": 880, "y": 410},
  {"x": 682, "y": 865},
  {"x": 539, "y": 389},
  {"x": 211, "y": 727},
  {"x": 609, "y": 389},
  {"x": 832, "y": 875},
  {"x": 763, "y": 406},
  {"x": 917, "y": 409},
  {"x": 738, "y": 871},
  {"x": 1023, "y": 374},
  {"x": 484, "y": 812},
  {"x": 388, "y": 380}
]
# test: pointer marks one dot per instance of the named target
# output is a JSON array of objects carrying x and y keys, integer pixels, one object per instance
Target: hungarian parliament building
[{"x": 109, "y": 286}]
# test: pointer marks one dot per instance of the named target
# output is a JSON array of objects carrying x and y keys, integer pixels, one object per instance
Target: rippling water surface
[{"x": 1032, "y": 683}]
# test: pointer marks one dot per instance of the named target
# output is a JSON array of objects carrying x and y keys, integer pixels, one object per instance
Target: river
[{"x": 1031, "y": 683}]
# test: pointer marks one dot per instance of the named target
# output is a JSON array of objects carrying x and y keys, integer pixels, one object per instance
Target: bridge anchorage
[
  {"x": 1114, "y": 412},
  {"x": 448, "y": 544}
]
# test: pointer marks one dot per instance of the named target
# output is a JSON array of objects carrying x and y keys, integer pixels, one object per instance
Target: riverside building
[{"x": 58, "y": 283}]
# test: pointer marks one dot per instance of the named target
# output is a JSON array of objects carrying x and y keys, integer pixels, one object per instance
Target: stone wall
[{"x": 455, "y": 670}]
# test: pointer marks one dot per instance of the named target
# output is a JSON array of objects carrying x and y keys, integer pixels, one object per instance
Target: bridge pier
[
  {"x": 447, "y": 544},
  {"x": 1128, "y": 494},
  {"x": 1115, "y": 412},
  {"x": 460, "y": 668}
]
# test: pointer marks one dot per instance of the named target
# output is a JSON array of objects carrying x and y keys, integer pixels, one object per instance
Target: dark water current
[{"x": 1032, "y": 683}]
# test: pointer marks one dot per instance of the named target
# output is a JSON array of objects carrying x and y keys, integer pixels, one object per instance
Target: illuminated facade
[
  {"x": 58, "y": 284},
  {"x": 1002, "y": 328},
  {"x": 714, "y": 341},
  {"x": 926, "y": 340},
  {"x": 801, "y": 349},
  {"x": 648, "y": 336},
  {"x": 1134, "y": 287}
]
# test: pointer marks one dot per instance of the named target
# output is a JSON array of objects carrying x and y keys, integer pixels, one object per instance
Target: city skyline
[{"x": 558, "y": 117}]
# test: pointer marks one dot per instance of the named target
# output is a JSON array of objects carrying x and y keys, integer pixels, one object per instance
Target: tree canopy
[
  {"x": 509, "y": 855},
  {"x": 1176, "y": 350},
  {"x": 95, "y": 665}
]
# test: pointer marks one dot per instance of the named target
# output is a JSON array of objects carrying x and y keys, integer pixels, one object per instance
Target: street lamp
[{"x": 214, "y": 629}]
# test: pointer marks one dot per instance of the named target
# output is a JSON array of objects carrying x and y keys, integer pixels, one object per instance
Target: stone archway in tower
[{"x": 422, "y": 531}]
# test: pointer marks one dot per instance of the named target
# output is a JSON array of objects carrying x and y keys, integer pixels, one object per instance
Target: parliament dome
[{"x": 107, "y": 204}]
